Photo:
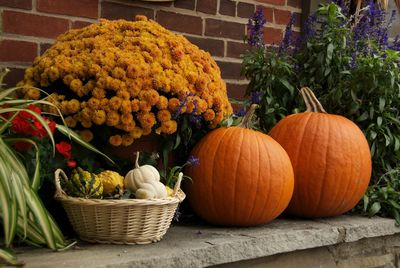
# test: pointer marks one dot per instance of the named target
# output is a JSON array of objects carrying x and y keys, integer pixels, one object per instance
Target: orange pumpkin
[
  {"x": 330, "y": 157},
  {"x": 245, "y": 178}
]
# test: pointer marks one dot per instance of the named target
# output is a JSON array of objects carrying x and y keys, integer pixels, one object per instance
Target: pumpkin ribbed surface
[
  {"x": 245, "y": 178},
  {"x": 331, "y": 161}
]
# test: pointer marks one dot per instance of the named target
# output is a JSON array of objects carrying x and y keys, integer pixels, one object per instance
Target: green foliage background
[{"x": 356, "y": 78}]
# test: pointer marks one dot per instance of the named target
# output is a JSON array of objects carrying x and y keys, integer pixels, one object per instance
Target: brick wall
[{"x": 29, "y": 27}]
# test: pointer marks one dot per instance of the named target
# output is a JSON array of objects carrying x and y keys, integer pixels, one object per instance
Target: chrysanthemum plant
[
  {"x": 117, "y": 81},
  {"x": 23, "y": 215},
  {"x": 353, "y": 67}
]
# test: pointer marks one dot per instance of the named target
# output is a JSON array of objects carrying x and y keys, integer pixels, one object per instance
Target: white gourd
[{"x": 144, "y": 181}]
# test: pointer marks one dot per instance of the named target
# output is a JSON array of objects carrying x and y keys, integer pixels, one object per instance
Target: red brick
[
  {"x": 230, "y": 70},
  {"x": 236, "y": 91},
  {"x": 227, "y": 7},
  {"x": 180, "y": 23},
  {"x": 235, "y": 49},
  {"x": 245, "y": 10},
  {"x": 272, "y": 35},
  {"x": 215, "y": 47},
  {"x": 154, "y": 4},
  {"x": 273, "y": 2},
  {"x": 225, "y": 29},
  {"x": 14, "y": 76},
  {"x": 33, "y": 25},
  {"x": 23, "y": 4},
  {"x": 294, "y": 3},
  {"x": 44, "y": 47},
  {"x": 80, "y": 24},
  {"x": 268, "y": 14},
  {"x": 20, "y": 51},
  {"x": 186, "y": 4},
  {"x": 282, "y": 16},
  {"x": 80, "y": 8},
  {"x": 207, "y": 6},
  {"x": 113, "y": 11}
]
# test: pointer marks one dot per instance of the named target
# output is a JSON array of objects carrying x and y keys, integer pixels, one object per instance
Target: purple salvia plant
[
  {"x": 372, "y": 26},
  {"x": 241, "y": 112},
  {"x": 255, "y": 28},
  {"x": 309, "y": 28},
  {"x": 256, "y": 97},
  {"x": 287, "y": 41},
  {"x": 342, "y": 5},
  {"x": 396, "y": 43}
]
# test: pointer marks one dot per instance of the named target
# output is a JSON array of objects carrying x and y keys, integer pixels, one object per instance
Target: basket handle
[
  {"x": 177, "y": 186},
  {"x": 57, "y": 174}
]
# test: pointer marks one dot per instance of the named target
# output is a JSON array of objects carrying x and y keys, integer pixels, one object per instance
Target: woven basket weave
[{"x": 119, "y": 221}]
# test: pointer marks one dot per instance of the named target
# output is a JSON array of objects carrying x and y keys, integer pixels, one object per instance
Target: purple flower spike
[
  {"x": 256, "y": 97},
  {"x": 255, "y": 28},
  {"x": 288, "y": 38}
]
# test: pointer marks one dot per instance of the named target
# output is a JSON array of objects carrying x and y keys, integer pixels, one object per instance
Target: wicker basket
[{"x": 119, "y": 221}]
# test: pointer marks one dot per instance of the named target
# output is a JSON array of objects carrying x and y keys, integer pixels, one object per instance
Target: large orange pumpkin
[
  {"x": 330, "y": 157},
  {"x": 245, "y": 178}
]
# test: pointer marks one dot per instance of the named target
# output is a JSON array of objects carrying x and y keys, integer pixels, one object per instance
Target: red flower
[
  {"x": 21, "y": 126},
  {"x": 71, "y": 163},
  {"x": 52, "y": 125},
  {"x": 27, "y": 124},
  {"x": 22, "y": 146},
  {"x": 64, "y": 148},
  {"x": 34, "y": 109}
]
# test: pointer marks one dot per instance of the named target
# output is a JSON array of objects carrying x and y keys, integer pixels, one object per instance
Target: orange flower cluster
[{"x": 131, "y": 76}]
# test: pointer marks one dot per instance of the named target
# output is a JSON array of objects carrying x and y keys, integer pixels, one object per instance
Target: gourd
[
  {"x": 84, "y": 184},
  {"x": 330, "y": 157},
  {"x": 245, "y": 177},
  {"x": 111, "y": 181},
  {"x": 144, "y": 181}
]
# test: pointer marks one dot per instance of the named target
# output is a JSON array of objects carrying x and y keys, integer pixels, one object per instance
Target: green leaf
[
  {"x": 9, "y": 257},
  {"x": 379, "y": 121},
  {"x": 366, "y": 202},
  {"x": 7, "y": 207},
  {"x": 381, "y": 104},
  {"x": 36, "y": 176},
  {"x": 375, "y": 208},
  {"x": 396, "y": 143},
  {"x": 396, "y": 215},
  {"x": 75, "y": 137},
  {"x": 394, "y": 204},
  {"x": 287, "y": 85},
  {"x": 177, "y": 141},
  {"x": 363, "y": 117},
  {"x": 40, "y": 214},
  {"x": 372, "y": 135},
  {"x": 329, "y": 52}
]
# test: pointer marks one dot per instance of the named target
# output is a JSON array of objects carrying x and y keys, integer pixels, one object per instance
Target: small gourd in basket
[
  {"x": 84, "y": 184},
  {"x": 144, "y": 181}
]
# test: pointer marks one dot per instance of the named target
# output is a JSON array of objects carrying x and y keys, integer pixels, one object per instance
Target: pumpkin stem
[
  {"x": 312, "y": 103},
  {"x": 247, "y": 118},
  {"x": 137, "y": 160}
]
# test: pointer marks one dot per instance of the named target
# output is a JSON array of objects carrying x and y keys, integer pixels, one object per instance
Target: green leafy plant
[
  {"x": 353, "y": 67},
  {"x": 22, "y": 212},
  {"x": 272, "y": 80},
  {"x": 172, "y": 173}
]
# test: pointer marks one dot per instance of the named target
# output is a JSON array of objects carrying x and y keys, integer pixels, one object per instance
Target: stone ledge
[{"x": 200, "y": 245}]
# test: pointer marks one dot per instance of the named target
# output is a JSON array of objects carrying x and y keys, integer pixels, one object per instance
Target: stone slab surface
[{"x": 202, "y": 245}]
